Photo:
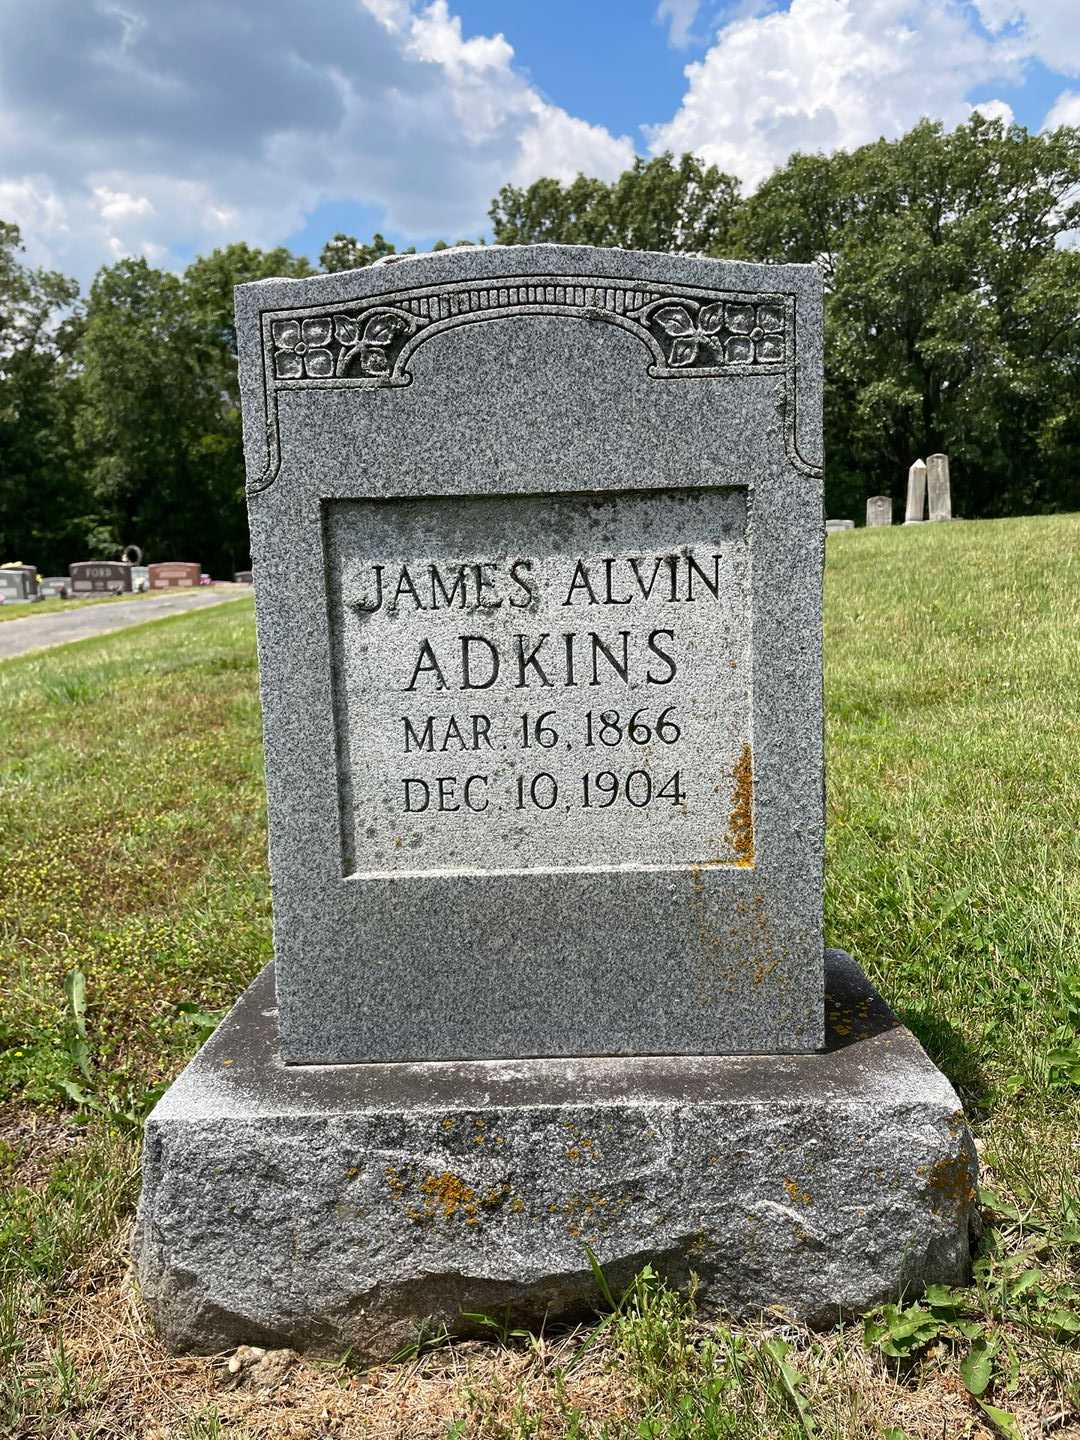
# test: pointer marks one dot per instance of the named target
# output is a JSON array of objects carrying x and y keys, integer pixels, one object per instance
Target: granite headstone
[
  {"x": 938, "y": 487},
  {"x": 174, "y": 574},
  {"x": 539, "y": 627},
  {"x": 30, "y": 571},
  {"x": 539, "y": 546},
  {"x": 879, "y": 510},
  {"x": 56, "y": 587},
  {"x": 100, "y": 577},
  {"x": 915, "y": 509},
  {"x": 15, "y": 585},
  {"x": 833, "y": 527}
]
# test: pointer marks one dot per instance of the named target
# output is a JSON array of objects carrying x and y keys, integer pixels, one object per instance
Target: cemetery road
[{"x": 42, "y": 632}]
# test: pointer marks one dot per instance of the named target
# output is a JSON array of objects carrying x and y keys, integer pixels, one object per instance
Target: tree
[
  {"x": 952, "y": 310},
  {"x": 209, "y": 283},
  {"x": 659, "y": 204},
  {"x": 145, "y": 400},
  {"x": 41, "y": 495},
  {"x": 214, "y": 445},
  {"x": 344, "y": 252}
]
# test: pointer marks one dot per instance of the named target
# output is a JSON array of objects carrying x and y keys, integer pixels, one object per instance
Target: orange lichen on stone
[
  {"x": 741, "y": 832},
  {"x": 393, "y": 1179},
  {"x": 446, "y": 1194},
  {"x": 797, "y": 1196},
  {"x": 950, "y": 1181}
]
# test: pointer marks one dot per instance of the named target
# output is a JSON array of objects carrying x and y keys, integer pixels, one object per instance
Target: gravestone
[
  {"x": 174, "y": 575},
  {"x": 100, "y": 577},
  {"x": 939, "y": 490},
  {"x": 915, "y": 511},
  {"x": 538, "y": 537},
  {"x": 243, "y": 577},
  {"x": 55, "y": 587},
  {"x": 30, "y": 571},
  {"x": 15, "y": 585},
  {"x": 832, "y": 527},
  {"x": 140, "y": 577},
  {"x": 879, "y": 510}
]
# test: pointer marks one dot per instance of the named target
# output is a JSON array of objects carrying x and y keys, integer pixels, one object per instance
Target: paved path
[{"x": 42, "y": 632}]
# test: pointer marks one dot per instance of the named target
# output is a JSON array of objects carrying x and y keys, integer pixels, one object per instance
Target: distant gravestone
[
  {"x": 55, "y": 587},
  {"x": 30, "y": 571},
  {"x": 915, "y": 511},
  {"x": 174, "y": 575},
  {"x": 939, "y": 489},
  {"x": 879, "y": 510},
  {"x": 538, "y": 538},
  {"x": 832, "y": 527},
  {"x": 243, "y": 577},
  {"x": 99, "y": 577},
  {"x": 15, "y": 585}
]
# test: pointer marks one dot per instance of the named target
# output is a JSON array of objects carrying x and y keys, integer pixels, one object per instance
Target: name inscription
[{"x": 542, "y": 682}]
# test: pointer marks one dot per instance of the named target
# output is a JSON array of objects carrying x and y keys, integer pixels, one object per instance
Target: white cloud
[
  {"x": 679, "y": 16},
  {"x": 33, "y": 204},
  {"x": 1064, "y": 111},
  {"x": 118, "y": 205},
  {"x": 560, "y": 145},
  {"x": 995, "y": 110},
  {"x": 1047, "y": 29},
  {"x": 124, "y": 130},
  {"x": 826, "y": 74},
  {"x": 145, "y": 139},
  {"x": 435, "y": 35}
]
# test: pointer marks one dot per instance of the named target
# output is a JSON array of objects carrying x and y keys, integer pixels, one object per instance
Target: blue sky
[{"x": 147, "y": 127}]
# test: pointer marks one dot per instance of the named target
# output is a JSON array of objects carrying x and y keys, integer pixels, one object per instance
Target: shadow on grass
[{"x": 953, "y": 1055}]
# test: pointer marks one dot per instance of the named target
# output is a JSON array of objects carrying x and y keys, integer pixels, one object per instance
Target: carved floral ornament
[
  {"x": 321, "y": 348},
  {"x": 736, "y": 332},
  {"x": 685, "y": 333}
]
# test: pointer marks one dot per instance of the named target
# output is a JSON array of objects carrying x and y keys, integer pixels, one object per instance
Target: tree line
[{"x": 952, "y": 276}]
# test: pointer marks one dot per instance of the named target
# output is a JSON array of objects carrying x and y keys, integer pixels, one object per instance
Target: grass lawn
[{"x": 134, "y": 906}]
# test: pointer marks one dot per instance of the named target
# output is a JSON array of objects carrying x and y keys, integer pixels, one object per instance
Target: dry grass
[{"x": 127, "y": 1386}]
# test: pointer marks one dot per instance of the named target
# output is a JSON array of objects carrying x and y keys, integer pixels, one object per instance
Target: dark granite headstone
[{"x": 100, "y": 577}]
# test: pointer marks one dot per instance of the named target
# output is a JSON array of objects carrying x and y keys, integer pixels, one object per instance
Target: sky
[{"x": 167, "y": 128}]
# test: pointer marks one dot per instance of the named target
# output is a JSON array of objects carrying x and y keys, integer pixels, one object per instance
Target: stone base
[{"x": 331, "y": 1207}]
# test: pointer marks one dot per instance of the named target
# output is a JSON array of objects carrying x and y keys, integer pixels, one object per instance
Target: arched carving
[{"x": 368, "y": 343}]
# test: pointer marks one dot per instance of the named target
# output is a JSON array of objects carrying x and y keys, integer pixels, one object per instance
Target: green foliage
[
  {"x": 659, "y": 204},
  {"x": 120, "y": 421},
  {"x": 345, "y": 252},
  {"x": 1063, "y": 1055},
  {"x": 159, "y": 420},
  {"x": 42, "y": 495},
  {"x": 952, "y": 312}
]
